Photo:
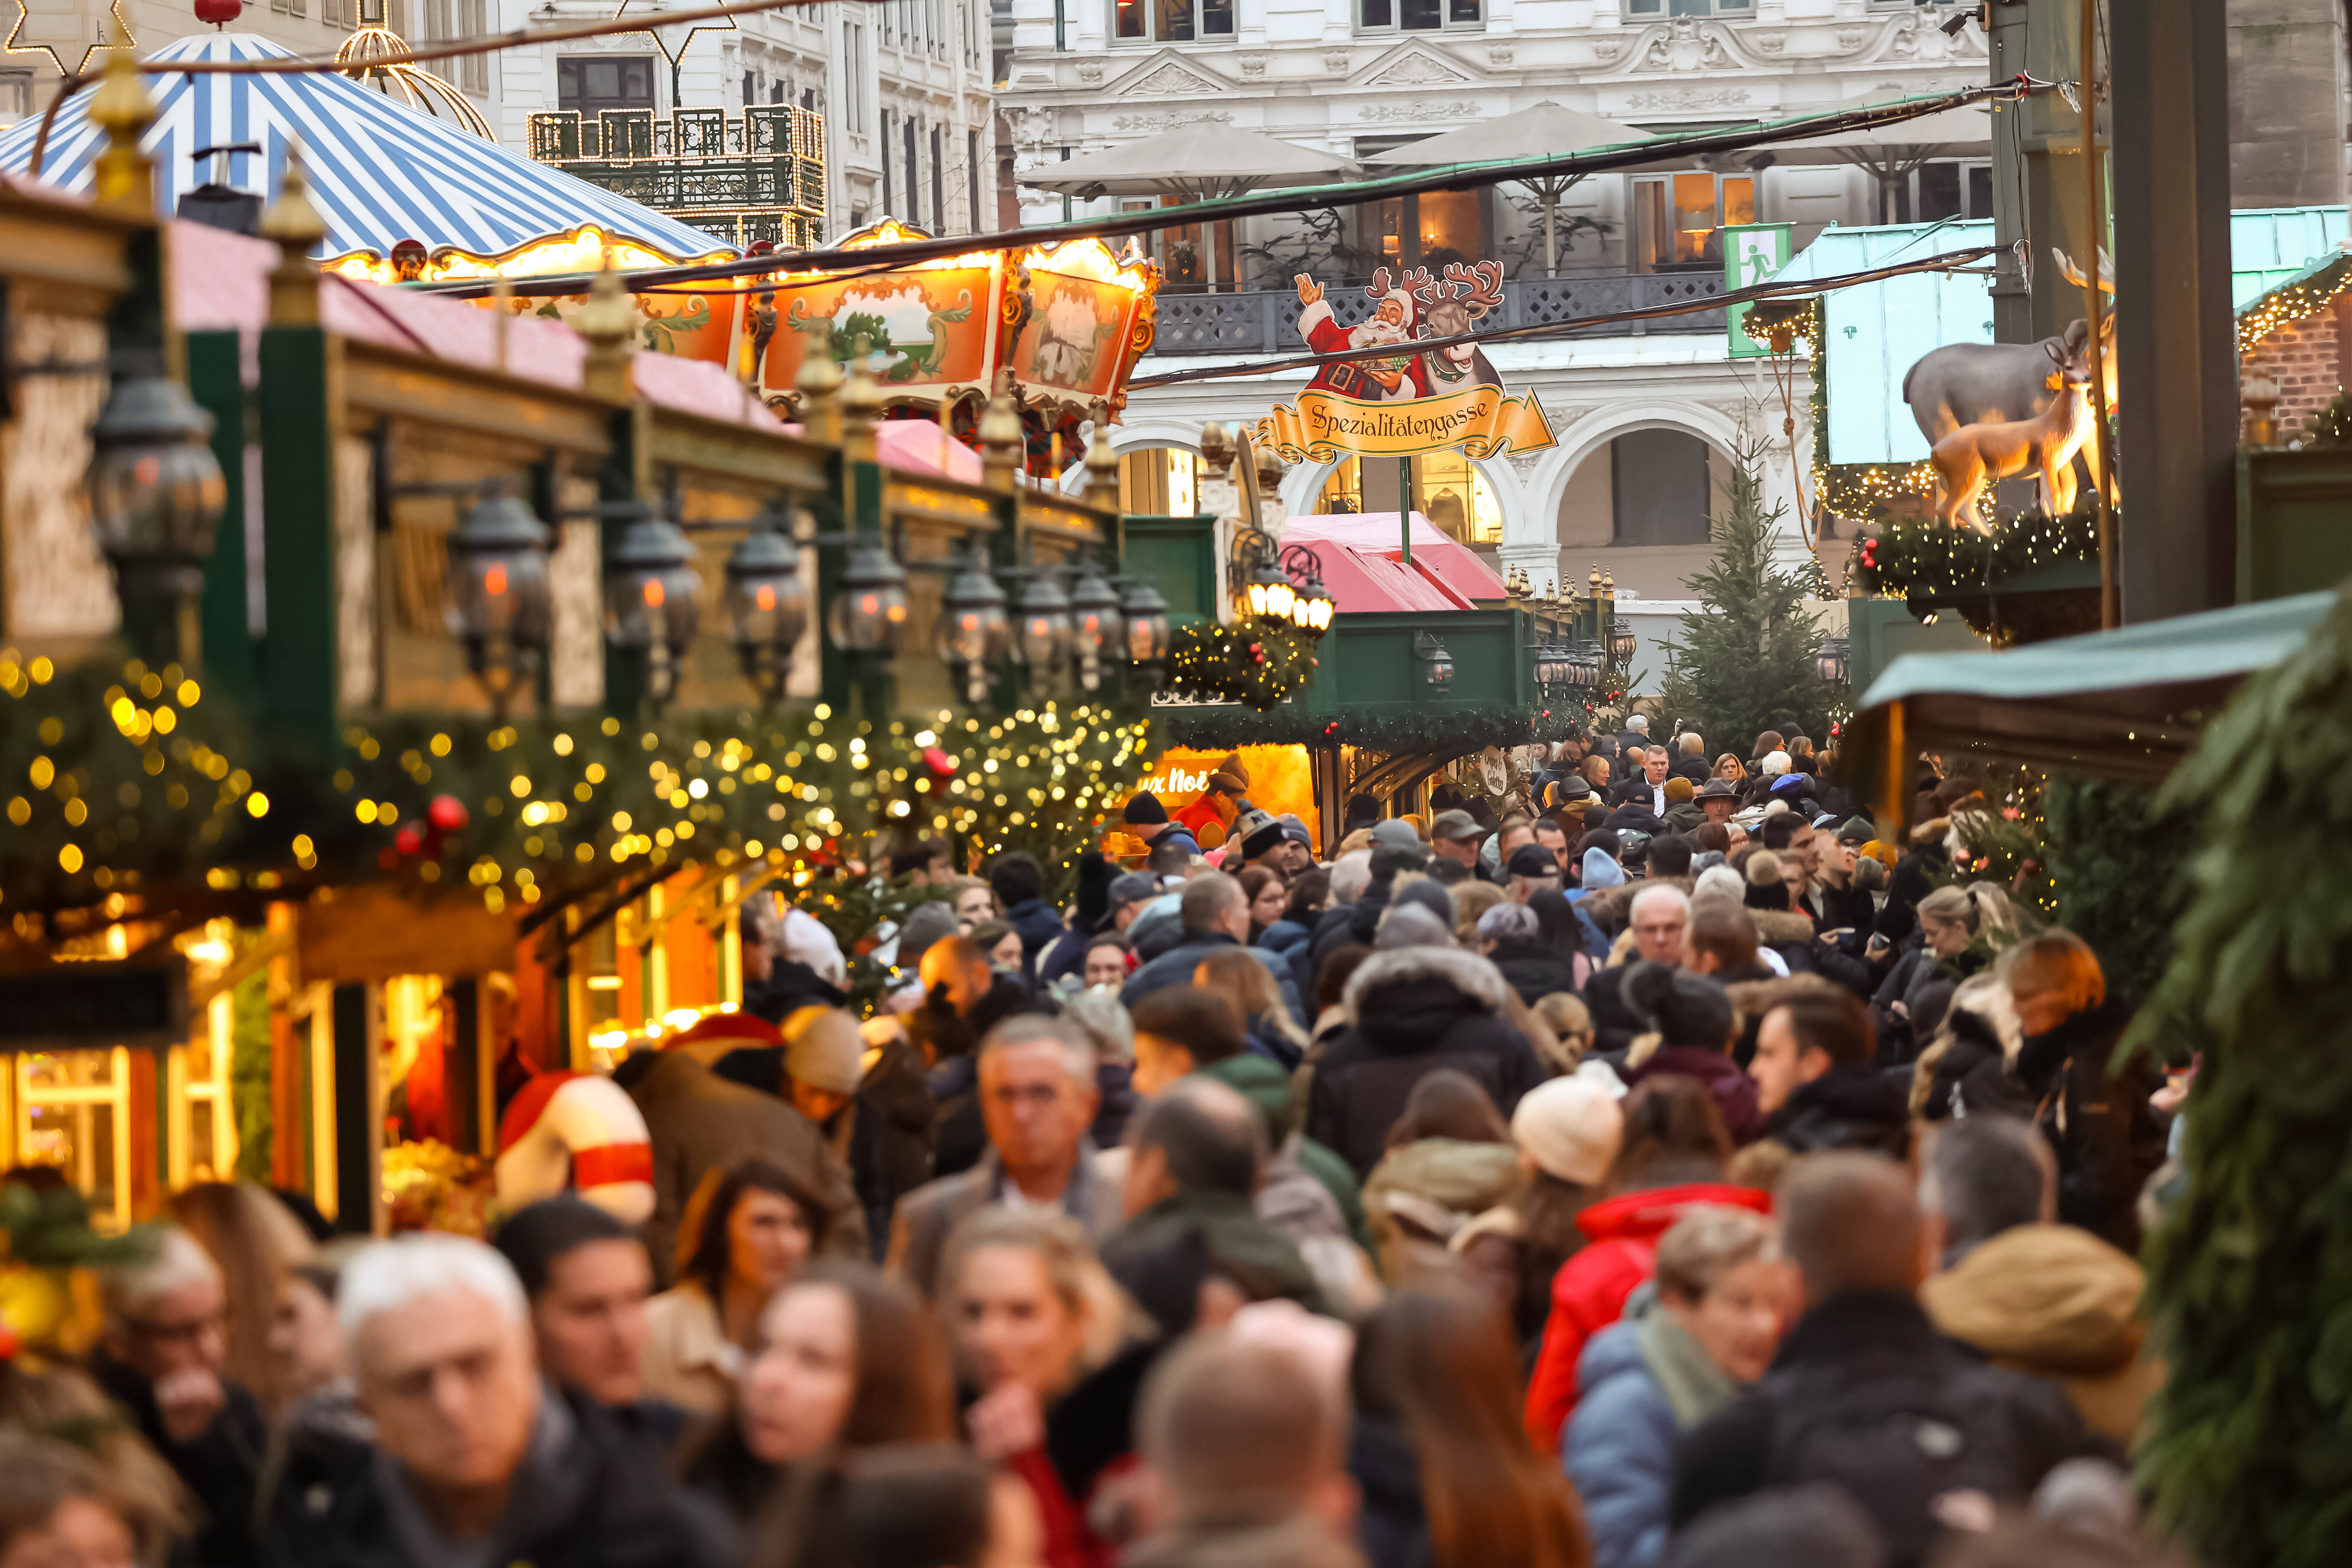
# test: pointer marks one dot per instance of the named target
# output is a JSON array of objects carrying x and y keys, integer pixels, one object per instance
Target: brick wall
[{"x": 2308, "y": 362}]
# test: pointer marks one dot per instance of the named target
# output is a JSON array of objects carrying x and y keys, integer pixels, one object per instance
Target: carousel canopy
[{"x": 380, "y": 172}]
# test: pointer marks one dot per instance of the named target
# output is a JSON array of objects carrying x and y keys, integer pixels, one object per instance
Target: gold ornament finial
[
  {"x": 606, "y": 321},
  {"x": 123, "y": 176},
  {"x": 1102, "y": 463},
  {"x": 296, "y": 228},
  {"x": 862, "y": 400},
  {"x": 1002, "y": 441},
  {"x": 819, "y": 385}
]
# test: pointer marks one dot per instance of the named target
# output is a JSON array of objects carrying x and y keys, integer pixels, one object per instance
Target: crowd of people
[{"x": 1673, "y": 1173}]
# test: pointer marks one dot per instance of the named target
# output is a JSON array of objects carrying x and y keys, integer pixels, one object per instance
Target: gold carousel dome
[{"x": 360, "y": 57}]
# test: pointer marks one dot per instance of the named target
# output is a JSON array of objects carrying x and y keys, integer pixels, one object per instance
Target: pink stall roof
[
  {"x": 220, "y": 282},
  {"x": 1364, "y": 566},
  {"x": 920, "y": 446}
]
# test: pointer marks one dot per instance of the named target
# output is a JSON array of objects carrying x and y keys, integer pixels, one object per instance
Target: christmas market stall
[{"x": 362, "y": 778}]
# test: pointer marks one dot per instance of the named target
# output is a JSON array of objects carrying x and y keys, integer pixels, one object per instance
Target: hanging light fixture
[
  {"x": 1042, "y": 637},
  {"x": 1436, "y": 664},
  {"x": 974, "y": 636},
  {"x": 654, "y": 599},
  {"x": 766, "y": 607},
  {"x": 1146, "y": 615},
  {"x": 498, "y": 595},
  {"x": 155, "y": 499},
  {"x": 1622, "y": 643},
  {"x": 1095, "y": 626},
  {"x": 868, "y": 614},
  {"x": 1834, "y": 665}
]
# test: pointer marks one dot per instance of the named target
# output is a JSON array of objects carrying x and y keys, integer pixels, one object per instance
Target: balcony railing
[
  {"x": 1267, "y": 323},
  {"x": 759, "y": 176}
]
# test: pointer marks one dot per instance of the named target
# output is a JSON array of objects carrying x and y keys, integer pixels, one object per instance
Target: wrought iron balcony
[
  {"x": 1267, "y": 323},
  {"x": 759, "y": 175}
]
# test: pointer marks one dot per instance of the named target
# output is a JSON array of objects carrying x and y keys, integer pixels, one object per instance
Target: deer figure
[
  {"x": 1452, "y": 309},
  {"x": 1999, "y": 449}
]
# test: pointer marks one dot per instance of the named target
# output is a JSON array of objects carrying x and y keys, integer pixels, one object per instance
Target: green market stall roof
[{"x": 2127, "y": 703}]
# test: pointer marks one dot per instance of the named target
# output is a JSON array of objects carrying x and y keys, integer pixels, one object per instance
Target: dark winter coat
[
  {"x": 1416, "y": 1009},
  {"x": 1914, "y": 877},
  {"x": 1847, "y": 1359},
  {"x": 1164, "y": 1254},
  {"x": 1392, "y": 1522},
  {"x": 890, "y": 1143},
  {"x": 1175, "y": 966},
  {"x": 221, "y": 1466},
  {"x": 585, "y": 1498},
  {"x": 1733, "y": 1091},
  {"x": 1533, "y": 969},
  {"x": 1972, "y": 1078},
  {"x": 1039, "y": 923},
  {"x": 2106, "y": 1136},
  {"x": 1857, "y": 1107}
]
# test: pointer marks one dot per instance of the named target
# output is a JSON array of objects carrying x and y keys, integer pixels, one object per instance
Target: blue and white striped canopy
[{"x": 379, "y": 171}]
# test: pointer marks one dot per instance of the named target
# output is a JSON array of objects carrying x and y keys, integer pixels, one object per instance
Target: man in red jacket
[{"x": 1590, "y": 1290}]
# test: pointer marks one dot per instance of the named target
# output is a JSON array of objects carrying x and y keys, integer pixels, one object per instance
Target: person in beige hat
[
  {"x": 1455, "y": 835},
  {"x": 1568, "y": 1131}
]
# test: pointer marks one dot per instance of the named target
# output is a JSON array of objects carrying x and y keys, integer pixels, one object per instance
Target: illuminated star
[
  {"x": 672, "y": 41},
  {"x": 24, "y": 16}
]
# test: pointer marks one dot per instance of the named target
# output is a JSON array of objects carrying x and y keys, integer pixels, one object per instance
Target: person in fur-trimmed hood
[{"x": 1417, "y": 1009}]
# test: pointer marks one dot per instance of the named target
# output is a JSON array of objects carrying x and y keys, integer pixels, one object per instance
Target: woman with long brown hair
[
  {"x": 1447, "y": 1474},
  {"x": 745, "y": 1234},
  {"x": 847, "y": 1360}
]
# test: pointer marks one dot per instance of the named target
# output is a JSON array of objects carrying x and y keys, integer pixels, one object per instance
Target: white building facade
[{"x": 1646, "y": 420}]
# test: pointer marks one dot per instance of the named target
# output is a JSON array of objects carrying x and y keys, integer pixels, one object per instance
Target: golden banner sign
[{"x": 1482, "y": 422}]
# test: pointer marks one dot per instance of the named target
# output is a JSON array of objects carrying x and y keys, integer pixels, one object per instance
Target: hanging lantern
[
  {"x": 497, "y": 594},
  {"x": 1146, "y": 614},
  {"x": 1834, "y": 666},
  {"x": 766, "y": 607},
  {"x": 155, "y": 499},
  {"x": 868, "y": 614},
  {"x": 654, "y": 599},
  {"x": 1436, "y": 664},
  {"x": 1095, "y": 626},
  {"x": 975, "y": 637},
  {"x": 1622, "y": 643},
  {"x": 1043, "y": 637}
]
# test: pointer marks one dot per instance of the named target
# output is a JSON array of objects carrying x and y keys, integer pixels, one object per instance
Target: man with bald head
[{"x": 1864, "y": 1395}]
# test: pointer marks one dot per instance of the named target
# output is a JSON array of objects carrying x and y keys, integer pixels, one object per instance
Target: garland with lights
[
  {"x": 1930, "y": 566},
  {"x": 1454, "y": 731},
  {"x": 125, "y": 785},
  {"x": 1258, "y": 668},
  {"x": 2297, "y": 299}
]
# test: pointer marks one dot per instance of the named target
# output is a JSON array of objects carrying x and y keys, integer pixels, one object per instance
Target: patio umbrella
[
  {"x": 1198, "y": 161},
  {"x": 1890, "y": 153},
  {"x": 1546, "y": 130}
]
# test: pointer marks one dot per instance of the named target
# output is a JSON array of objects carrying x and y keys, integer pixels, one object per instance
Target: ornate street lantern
[
  {"x": 868, "y": 614},
  {"x": 1834, "y": 665},
  {"x": 654, "y": 600},
  {"x": 1436, "y": 664},
  {"x": 766, "y": 607},
  {"x": 1042, "y": 635},
  {"x": 975, "y": 637},
  {"x": 1310, "y": 607},
  {"x": 497, "y": 594},
  {"x": 155, "y": 497},
  {"x": 1095, "y": 627},
  {"x": 1622, "y": 643},
  {"x": 1146, "y": 614}
]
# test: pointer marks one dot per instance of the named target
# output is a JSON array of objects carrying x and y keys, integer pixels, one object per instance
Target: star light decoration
[
  {"x": 673, "y": 40},
  {"x": 18, "y": 45}
]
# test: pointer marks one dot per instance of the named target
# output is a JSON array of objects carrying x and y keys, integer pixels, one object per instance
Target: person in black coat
[
  {"x": 1513, "y": 935},
  {"x": 1865, "y": 1361},
  {"x": 1020, "y": 887},
  {"x": 1416, "y": 1009},
  {"x": 1816, "y": 1082}
]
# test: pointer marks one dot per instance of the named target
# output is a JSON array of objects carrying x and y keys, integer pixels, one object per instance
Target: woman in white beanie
[{"x": 1568, "y": 1131}]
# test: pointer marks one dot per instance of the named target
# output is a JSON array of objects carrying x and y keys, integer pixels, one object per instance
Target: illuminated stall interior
[{"x": 1447, "y": 489}]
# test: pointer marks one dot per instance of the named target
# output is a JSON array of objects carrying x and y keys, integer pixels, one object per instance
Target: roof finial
[
  {"x": 124, "y": 178},
  {"x": 295, "y": 224}
]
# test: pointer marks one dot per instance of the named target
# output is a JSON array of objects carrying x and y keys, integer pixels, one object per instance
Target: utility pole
[{"x": 2038, "y": 181}]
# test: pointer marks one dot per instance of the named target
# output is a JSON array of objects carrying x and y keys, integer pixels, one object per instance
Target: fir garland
[
  {"x": 2248, "y": 1452},
  {"x": 1259, "y": 668},
  {"x": 121, "y": 786},
  {"x": 1926, "y": 560}
]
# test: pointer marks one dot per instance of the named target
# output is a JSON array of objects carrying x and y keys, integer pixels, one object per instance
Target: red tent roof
[{"x": 1364, "y": 565}]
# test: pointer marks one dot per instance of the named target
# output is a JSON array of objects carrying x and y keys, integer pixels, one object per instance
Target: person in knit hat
[
  {"x": 1567, "y": 1132},
  {"x": 1146, "y": 818}
]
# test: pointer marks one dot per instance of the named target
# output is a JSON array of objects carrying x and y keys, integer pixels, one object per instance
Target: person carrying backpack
[{"x": 1865, "y": 1395}]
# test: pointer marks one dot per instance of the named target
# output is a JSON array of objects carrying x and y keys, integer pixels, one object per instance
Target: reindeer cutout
[
  {"x": 1452, "y": 310},
  {"x": 1999, "y": 449}
]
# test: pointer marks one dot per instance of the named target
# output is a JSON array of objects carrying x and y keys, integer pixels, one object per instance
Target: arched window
[{"x": 1658, "y": 488}]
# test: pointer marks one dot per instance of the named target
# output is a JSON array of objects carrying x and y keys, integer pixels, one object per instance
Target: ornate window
[
  {"x": 1418, "y": 16},
  {"x": 1170, "y": 21}
]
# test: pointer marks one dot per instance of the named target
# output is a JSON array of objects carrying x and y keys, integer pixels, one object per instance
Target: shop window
[
  {"x": 70, "y": 1111},
  {"x": 1430, "y": 230},
  {"x": 1946, "y": 188},
  {"x": 1170, "y": 21},
  {"x": 1658, "y": 483},
  {"x": 1679, "y": 218},
  {"x": 594, "y": 83},
  {"x": 1159, "y": 481}
]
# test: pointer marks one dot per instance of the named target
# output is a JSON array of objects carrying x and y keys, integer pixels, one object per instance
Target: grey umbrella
[{"x": 1546, "y": 130}]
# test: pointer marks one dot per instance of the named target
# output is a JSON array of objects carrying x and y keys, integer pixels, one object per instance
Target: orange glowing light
[
  {"x": 765, "y": 598},
  {"x": 654, "y": 595},
  {"x": 494, "y": 581}
]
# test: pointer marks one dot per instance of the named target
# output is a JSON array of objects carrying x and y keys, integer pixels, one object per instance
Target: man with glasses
[
  {"x": 160, "y": 1357},
  {"x": 1037, "y": 1097}
]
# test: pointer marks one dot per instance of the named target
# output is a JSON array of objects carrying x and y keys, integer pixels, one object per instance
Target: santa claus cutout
[{"x": 1393, "y": 378}]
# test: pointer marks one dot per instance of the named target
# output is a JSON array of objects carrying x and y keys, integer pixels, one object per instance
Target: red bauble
[
  {"x": 409, "y": 839},
  {"x": 448, "y": 813},
  {"x": 219, "y": 13},
  {"x": 938, "y": 762}
]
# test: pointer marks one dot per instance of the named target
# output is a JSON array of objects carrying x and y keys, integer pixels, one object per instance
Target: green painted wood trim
[
  {"x": 296, "y": 418},
  {"x": 217, "y": 385}
]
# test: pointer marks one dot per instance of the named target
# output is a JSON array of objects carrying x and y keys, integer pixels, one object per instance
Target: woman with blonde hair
[
  {"x": 1472, "y": 899},
  {"x": 1961, "y": 928},
  {"x": 1965, "y": 1069},
  {"x": 1729, "y": 766},
  {"x": 255, "y": 1241},
  {"x": 1245, "y": 981},
  {"x": 1050, "y": 1347}
]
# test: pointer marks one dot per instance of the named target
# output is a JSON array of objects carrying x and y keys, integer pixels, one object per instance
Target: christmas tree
[{"x": 1749, "y": 659}]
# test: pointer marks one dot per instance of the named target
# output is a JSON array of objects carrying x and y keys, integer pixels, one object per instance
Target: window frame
[
  {"x": 581, "y": 102},
  {"x": 1637, "y": 12},
  {"x": 1152, "y": 40},
  {"x": 1395, "y": 28}
]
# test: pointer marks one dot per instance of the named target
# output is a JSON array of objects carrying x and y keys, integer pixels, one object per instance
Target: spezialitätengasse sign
[{"x": 1416, "y": 400}]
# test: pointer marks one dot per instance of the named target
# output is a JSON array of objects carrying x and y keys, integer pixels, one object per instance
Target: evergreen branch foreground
[{"x": 2249, "y": 1456}]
